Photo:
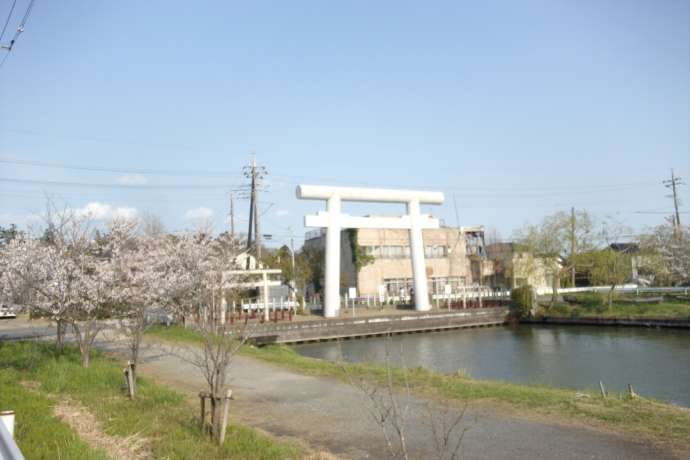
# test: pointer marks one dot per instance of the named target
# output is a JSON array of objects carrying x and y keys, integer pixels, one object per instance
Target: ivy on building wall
[{"x": 359, "y": 257}]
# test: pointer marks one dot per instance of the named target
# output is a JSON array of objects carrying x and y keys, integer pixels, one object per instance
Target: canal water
[{"x": 655, "y": 361}]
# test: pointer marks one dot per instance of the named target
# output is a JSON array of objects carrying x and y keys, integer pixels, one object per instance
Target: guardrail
[{"x": 626, "y": 288}]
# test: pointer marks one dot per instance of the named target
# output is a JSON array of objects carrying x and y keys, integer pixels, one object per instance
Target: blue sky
[{"x": 516, "y": 109}]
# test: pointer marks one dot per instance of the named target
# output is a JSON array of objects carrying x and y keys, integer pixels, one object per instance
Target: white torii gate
[{"x": 333, "y": 220}]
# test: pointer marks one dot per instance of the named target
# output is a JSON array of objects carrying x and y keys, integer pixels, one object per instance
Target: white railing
[
  {"x": 274, "y": 304},
  {"x": 625, "y": 288},
  {"x": 473, "y": 293}
]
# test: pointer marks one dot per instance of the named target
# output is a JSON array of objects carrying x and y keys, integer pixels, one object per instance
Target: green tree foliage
[
  {"x": 522, "y": 300},
  {"x": 359, "y": 257},
  {"x": 280, "y": 258},
  {"x": 607, "y": 267},
  {"x": 551, "y": 240},
  {"x": 7, "y": 234}
]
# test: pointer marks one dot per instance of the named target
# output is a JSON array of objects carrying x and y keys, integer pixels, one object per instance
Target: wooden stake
[
  {"x": 202, "y": 401},
  {"x": 603, "y": 390},
  {"x": 631, "y": 392}
]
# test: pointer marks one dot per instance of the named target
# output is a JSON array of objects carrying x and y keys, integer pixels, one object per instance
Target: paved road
[
  {"x": 334, "y": 416},
  {"x": 21, "y": 328}
]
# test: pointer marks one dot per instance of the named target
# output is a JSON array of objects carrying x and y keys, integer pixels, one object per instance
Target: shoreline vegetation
[
  {"x": 654, "y": 421},
  {"x": 37, "y": 381},
  {"x": 620, "y": 309}
]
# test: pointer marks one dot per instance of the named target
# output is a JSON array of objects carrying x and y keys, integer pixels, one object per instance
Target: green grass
[
  {"x": 163, "y": 417},
  {"x": 668, "y": 309},
  {"x": 653, "y": 420},
  {"x": 37, "y": 432}
]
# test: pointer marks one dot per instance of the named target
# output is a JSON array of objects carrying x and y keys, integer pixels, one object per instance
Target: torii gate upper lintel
[{"x": 334, "y": 221}]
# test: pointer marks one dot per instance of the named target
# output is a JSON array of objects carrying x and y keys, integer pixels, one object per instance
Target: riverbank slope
[{"x": 276, "y": 382}]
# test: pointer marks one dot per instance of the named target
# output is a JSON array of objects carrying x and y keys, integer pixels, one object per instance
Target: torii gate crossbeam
[{"x": 335, "y": 221}]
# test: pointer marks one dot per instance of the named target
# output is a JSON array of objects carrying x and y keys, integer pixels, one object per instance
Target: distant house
[
  {"x": 514, "y": 268},
  {"x": 640, "y": 265},
  {"x": 245, "y": 261}
]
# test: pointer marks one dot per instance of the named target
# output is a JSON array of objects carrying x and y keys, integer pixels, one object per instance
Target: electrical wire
[
  {"x": 20, "y": 29},
  {"x": 115, "y": 186},
  {"x": 9, "y": 16},
  {"x": 166, "y": 172}
]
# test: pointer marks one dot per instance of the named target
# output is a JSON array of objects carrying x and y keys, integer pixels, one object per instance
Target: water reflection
[{"x": 656, "y": 362}]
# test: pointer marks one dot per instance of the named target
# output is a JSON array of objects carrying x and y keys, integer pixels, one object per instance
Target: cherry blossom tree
[
  {"x": 49, "y": 276},
  {"x": 667, "y": 250},
  {"x": 201, "y": 264}
]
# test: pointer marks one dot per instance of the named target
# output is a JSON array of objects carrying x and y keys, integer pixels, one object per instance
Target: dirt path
[{"x": 333, "y": 416}]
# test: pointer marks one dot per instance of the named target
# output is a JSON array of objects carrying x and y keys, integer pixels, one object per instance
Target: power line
[
  {"x": 165, "y": 172},
  {"x": 556, "y": 190},
  {"x": 9, "y": 16},
  {"x": 116, "y": 186},
  {"x": 20, "y": 29}
]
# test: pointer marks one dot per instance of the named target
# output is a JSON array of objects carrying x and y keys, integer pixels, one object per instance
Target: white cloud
[
  {"x": 199, "y": 213},
  {"x": 125, "y": 213},
  {"x": 282, "y": 212},
  {"x": 132, "y": 179},
  {"x": 104, "y": 211}
]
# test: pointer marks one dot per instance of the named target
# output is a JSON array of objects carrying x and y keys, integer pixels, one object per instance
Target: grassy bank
[
  {"x": 668, "y": 309},
  {"x": 34, "y": 380},
  {"x": 644, "y": 418}
]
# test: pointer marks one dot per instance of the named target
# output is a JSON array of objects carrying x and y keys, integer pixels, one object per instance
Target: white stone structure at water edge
[{"x": 333, "y": 220}]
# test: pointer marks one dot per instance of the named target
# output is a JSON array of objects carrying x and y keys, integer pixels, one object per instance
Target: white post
[
  {"x": 223, "y": 307},
  {"x": 331, "y": 303},
  {"x": 266, "y": 316},
  {"x": 7, "y": 419},
  {"x": 421, "y": 295}
]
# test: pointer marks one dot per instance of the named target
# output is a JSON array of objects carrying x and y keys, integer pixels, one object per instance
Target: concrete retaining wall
[{"x": 341, "y": 328}]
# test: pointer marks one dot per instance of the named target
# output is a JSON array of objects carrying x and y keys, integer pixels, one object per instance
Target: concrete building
[{"x": 454, "y": 256}]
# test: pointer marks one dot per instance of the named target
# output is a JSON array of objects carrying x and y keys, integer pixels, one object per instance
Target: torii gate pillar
[{"x": 335, "y": 221}]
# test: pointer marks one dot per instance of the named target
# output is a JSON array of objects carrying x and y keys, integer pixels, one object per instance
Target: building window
[{"x": 435, "y": 251}]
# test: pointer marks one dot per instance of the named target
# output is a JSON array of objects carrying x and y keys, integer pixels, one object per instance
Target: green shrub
[
  {"x": 559, "y": 309},
  {"x": 521, "y": 301},
  {"x": 591, "y": 300}
]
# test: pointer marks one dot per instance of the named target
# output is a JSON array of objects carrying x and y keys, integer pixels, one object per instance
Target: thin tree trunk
[
  {"x": 60, "y": 335},
  {"x": 85, "y": 358}
]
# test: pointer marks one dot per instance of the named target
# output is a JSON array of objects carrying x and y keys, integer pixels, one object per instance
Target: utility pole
[
  {"x": 232, "y": 215},
  {"x": 255, "y": 174},
  {"x": 672, "y": 184},
  {"x": 573, "y": 246},
  {"x": 292, "y": 255},
  {"x": 257, "y": 229}
]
